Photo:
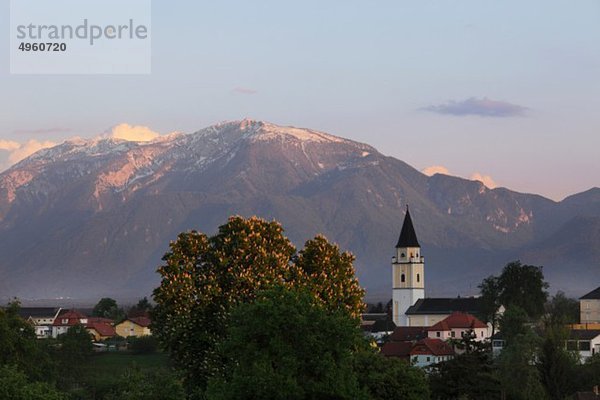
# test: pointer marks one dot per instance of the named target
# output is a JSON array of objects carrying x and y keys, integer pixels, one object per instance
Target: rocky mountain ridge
[{"x": 95, "y": 216}]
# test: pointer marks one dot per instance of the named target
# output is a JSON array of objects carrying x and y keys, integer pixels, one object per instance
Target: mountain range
[{"x": 92, "y": 218}]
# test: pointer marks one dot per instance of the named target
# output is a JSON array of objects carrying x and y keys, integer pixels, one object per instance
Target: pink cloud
[
  {"x": 244, "y": 90},
  {"x": 435, "y": 169},
  {"x": 485, "y": 179}
]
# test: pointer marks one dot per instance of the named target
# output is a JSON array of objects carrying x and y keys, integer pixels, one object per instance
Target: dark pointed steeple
[{"x": 408, "y": 237}]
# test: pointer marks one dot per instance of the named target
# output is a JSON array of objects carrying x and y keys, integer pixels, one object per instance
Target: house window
[
  {"x": 402, "y": 255},
  {"x": 428, "y": 359},
  {"x": 411, "y": 255},
  {"x": 438, "y": 334},
  {"x": 418, "y": 277},
  {"x": 481, "y": 333},
  {"x": 65, "y": 321},
  {"x": 572, "y": 345},
  {"x": 402, "y": 278},
  {"x": 584, "y": 345},
  {"x": 453, "y": 334}
]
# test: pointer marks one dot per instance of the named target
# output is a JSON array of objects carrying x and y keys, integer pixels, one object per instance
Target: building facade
[
  {"x": 589, "y": 307},
  {"x": 408, "y": 272}
]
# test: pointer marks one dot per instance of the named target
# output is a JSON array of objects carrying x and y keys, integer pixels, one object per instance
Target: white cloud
[
  {"x": 133, "y": 133},
  {"x": 485, "y": 179},
  {"x": 435, "y": 169},
  {"x": 18, "y": 151},
  {"x": 9, "y": 145}
]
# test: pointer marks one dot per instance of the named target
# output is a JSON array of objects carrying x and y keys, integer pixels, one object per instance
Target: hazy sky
[{"x": 507, "y": 89}]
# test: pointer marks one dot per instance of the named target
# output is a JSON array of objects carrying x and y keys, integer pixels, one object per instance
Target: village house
[
  {"x": 100, "y": 328},
  {"x": 457, "y": 325},
  {"x": 67, "y": 319},
  {"x": 429, "y": 351},
  {"x": 138, "y": 326},
  {"x": 422, "y": 353},
  {"x": 589, "y": 307},
  {"x": 584, "y": 341},
  {"x": 41, "y": 318},
  {"x": 424, "y": 346}
]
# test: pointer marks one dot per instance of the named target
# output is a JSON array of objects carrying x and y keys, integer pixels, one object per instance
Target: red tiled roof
[
  {"x": 434, "y": 347},
  {"x": 73, "y": 317},
  {"x": 397, "y": 349},
  {"x": 458, "y": 320},
  {"x": 102, "y": 328},
  {"x": 93, "y": 320},
  {"x": 408, "y": 333},
  {"x": 141, "y": 321}
]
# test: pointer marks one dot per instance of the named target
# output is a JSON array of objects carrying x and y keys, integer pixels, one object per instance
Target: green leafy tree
[
  {"x": 136, "y": 384},
  {"x": 203, "y": 278},
  {"x": 519, "y": 376},
  {"x": 329, "y": 274},
  {"x": 388, "y": 378},
  {"x": 14, "y": 385},
  {"x": 562, "y": 310},
  {"x": 376, "y": 308},
  {"x": 588, "y": 374},
  {"x": 19, "y": 346},
  {"x": 557, "y": 365},
  {"x": 108, "y": 308},
  {"x": 490, "y": 295},
  {"x": 73, "y": 352},
  {"x": 287, "y": 345},
  {"x": 469, "y": 375},
  {"x": 513, "y": 324},
  {"x": 523, "y": 286},
  {"x": 142, "y": 308}
]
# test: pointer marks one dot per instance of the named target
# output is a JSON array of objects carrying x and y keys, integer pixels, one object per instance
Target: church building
[{"x": 410, "y": 307}]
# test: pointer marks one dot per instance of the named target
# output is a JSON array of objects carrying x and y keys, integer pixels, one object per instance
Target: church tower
[{"x": 408, "y": 274}]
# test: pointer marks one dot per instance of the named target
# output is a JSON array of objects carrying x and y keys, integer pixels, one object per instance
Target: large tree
[
  {"x": 287, "y": 345},
  {"x": 562, "y": 309},
  {"x": 14, "y": 385},
  {"x": 556, "y": 364},
  {"x": 204, "y": 277},
  {"x": 519, "y": 376},
  {"x": 108, "y": 308},
  {"x": 469, "y": 375},
  {"x": 329, "y": 274},
  {"x": 390, "y": 378},
  {"x": 523, "y": 286},
  {"x": 490, "y": 295},
  {"x": 518, "y": 285},
  {"x": 19, "y": 346},
  {"x": 72, "y": 354}
]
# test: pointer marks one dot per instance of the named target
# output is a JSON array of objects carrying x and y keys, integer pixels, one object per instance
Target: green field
[
  {"x": 116, "y": 363},
  {"x": 105, "y": 370}
]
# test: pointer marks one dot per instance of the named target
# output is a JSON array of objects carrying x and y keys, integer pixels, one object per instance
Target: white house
[
  {"x": 41, "y": 318},
  {"x": 585, "y": 341},
  {"x": 67, "y": 319}
]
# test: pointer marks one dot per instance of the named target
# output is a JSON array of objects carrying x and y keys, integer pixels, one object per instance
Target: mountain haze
[{"x": 92, "y": 218}]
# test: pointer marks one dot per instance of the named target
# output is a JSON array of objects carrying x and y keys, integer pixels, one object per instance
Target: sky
[{"x": 504, "y": 92}]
